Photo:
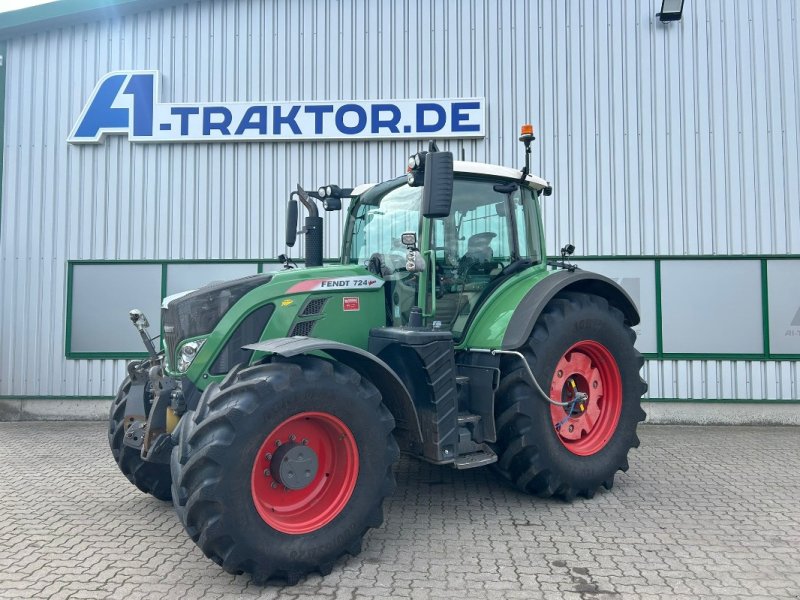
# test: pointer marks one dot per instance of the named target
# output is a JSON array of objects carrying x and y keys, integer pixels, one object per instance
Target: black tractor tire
[
  {"x": 216, "y": 469},
  {"x": 151, "y": 478},
  {"x": 531, "y": 453}
]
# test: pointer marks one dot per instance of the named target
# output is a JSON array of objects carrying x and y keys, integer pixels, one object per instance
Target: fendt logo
[{"x": 127, "y": 103}]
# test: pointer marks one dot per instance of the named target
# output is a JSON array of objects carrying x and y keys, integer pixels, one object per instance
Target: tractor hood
[
  {"x": 204, "y": 331},
  {"x": 196, "y": 313}
]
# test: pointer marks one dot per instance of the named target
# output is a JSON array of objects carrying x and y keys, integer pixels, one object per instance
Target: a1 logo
[{"x": 116, "y": 97}]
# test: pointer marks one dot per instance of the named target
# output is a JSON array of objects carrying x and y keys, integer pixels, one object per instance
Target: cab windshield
[{"x": 379, "y": 218}]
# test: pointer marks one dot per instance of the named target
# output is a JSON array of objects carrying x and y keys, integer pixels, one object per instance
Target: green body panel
[
  {"x": 289, "y": 290},
  {"x": 349, "y": 327},
  {"x": 491, "y": 321}
]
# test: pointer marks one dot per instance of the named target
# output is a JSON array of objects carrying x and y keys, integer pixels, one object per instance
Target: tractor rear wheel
[
  {"x": 582, "y": 353},
  {"x": 283, "y": 467},
  {"x": 151, "y": 478}
]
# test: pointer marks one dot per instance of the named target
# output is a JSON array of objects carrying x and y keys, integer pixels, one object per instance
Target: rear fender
[
  {"x": 534, "y": 302},
  {"x": 395, "y": 394}
]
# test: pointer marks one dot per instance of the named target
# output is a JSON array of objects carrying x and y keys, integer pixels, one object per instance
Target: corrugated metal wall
[{"x": 669, "y": 140}]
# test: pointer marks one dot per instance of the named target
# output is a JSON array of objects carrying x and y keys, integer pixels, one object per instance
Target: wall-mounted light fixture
[{"x": 671, "y": 10}]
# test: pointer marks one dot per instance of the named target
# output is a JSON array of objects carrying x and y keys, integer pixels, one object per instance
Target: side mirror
[
  {"x": 291, "y": 222},
  {"x": 437, "y": 195}
]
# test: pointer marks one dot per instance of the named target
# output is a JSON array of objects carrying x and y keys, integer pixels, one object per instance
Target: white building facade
[{"x": 673, "y": 150}]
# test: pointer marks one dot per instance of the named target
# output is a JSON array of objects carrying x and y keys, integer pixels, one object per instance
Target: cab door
[{"x": 492, "y": 224}]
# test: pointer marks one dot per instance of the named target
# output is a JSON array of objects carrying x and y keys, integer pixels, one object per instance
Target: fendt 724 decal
[{"x": 336, "y": 283}]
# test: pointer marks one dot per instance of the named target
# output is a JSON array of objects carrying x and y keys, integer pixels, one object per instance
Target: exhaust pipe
[
  {"x": 314, "y": 241},
  {"x": 313, "y": 228}
]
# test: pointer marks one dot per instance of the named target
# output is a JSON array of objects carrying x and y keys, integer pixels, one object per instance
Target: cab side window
[
  {"x": 472, "y": 246},
  {"x": 526, "y": 219}
]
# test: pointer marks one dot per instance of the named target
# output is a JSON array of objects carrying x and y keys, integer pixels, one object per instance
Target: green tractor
[{"x": 278, "y": 404}]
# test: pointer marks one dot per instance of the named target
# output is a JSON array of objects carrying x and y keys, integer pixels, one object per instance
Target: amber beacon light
[{"x": 526, "y": 137}]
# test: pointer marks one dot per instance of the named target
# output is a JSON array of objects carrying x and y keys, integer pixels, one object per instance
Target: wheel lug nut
[
  {"x": 277, "y": 442},
  {"x": 268, "y": 456},
  {"x": 274, "y": 485},
  {"x": 305, "y": 442},
  {"x": 560, "y": 373},
  {"x": 571, "y": 428},
  {"x": 594, "y": 384},
  {"x": 267, "y": 473},
  {"x": 292, "y": 438}
]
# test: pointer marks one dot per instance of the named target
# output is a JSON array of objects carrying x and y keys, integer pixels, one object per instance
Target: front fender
[{"x": 395, "y": 394}]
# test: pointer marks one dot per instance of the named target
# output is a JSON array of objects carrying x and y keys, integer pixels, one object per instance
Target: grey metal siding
[{"x": 667, "y": 140}]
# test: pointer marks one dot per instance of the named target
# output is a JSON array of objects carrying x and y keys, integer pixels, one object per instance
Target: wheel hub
[
  {"x": 304, "y": 472},
  {"x": 575, "y": 393},
  {"x": 588, "y": 380},
  {"x": 294, "y": 465}
]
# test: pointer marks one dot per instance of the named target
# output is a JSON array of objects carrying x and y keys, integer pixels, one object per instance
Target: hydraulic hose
[{"x": 537, "y": 388}]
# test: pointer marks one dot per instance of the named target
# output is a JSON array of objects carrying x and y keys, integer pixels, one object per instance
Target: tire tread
[
  {"x": 204, "y": 443},
  {"x": 520, "y": 461}
]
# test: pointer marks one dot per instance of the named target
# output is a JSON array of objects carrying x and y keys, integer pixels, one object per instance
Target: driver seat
[{"x": 479, "y": 258}]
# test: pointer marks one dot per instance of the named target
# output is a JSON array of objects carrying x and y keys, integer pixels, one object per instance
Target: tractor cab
[{"x": 492, "y": 230}]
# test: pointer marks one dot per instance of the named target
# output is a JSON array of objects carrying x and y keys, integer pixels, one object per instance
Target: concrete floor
[{"x": 704, "y": 512}]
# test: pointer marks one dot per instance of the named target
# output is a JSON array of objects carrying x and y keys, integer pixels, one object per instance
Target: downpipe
[{"x": 313, "y": 230}]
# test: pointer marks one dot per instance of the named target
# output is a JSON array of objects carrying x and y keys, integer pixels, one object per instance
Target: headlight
[{"x": 187, "y": 354}]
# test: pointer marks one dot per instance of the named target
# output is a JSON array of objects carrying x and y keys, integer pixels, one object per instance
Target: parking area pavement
[{"x": 704, "y": 512}]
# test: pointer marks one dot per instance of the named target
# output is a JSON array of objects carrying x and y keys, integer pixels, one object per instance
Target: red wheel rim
[
  {"x": 309, "y": 435},
  {"x": 588, "y": 378}
]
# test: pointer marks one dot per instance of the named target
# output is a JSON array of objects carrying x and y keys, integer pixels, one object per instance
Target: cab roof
[
  {"x": 476, "y": 168},
  {"x": 460, "y": 166}
]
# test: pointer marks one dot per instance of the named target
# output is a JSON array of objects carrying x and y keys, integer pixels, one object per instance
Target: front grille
[
  {"x": 313, "y": 307},
  {"x": 170, "y": 338},
  {"x": 302, "y": 328},
  {"x": 199, "y": 312}
]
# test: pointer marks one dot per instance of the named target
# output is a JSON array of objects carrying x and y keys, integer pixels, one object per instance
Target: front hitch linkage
[{"x": 140, "y": 322}]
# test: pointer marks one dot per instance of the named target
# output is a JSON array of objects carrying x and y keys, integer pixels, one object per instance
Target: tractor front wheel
[
  {"x": 151, "y": 478},
  {"x": 582, "y": 354},
  {"x": 283, "y": 467}
]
